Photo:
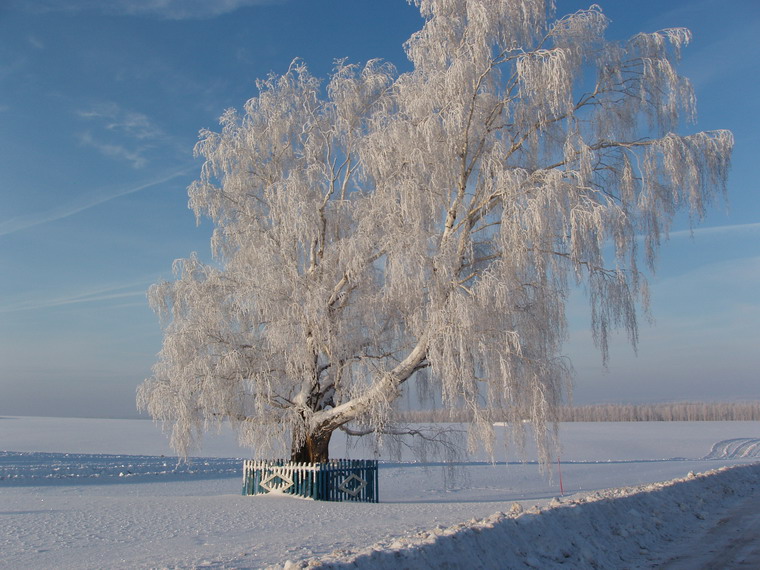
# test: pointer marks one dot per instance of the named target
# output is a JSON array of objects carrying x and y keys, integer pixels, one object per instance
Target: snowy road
[{"x": 732, "y": 541}]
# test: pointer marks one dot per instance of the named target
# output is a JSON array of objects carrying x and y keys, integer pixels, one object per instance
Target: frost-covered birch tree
[{"x": 380, "y": 227}]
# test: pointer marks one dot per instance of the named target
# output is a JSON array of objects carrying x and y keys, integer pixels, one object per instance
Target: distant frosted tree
[{"x": 389, "y": 226}]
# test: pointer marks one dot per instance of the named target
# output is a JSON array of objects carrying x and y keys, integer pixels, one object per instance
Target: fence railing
[{"x": 335, "y": 480}]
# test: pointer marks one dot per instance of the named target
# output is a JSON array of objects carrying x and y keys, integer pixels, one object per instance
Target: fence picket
[{"x": 336, "y": 480}]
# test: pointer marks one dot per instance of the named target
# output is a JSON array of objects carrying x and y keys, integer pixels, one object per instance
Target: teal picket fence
[{"x": 335, "y": 480}]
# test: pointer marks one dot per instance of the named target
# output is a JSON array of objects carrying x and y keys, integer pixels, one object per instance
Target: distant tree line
[{"x": 663, "y": 412}]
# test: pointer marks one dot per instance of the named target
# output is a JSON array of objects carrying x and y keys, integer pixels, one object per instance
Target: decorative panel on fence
[{"x": 336, "y": 480}]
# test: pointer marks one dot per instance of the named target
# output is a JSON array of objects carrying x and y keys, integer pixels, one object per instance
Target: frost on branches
[{"x": 384, "y": 227}]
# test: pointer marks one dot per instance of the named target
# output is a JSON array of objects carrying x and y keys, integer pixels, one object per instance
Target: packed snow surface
[{"x": 80, "y": 493}]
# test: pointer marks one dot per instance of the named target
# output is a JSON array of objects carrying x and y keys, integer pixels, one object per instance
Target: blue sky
[{"x": 100, "y": 106}]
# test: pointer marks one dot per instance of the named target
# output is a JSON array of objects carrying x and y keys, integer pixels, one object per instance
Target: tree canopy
[{"x": 381, "y": 227}]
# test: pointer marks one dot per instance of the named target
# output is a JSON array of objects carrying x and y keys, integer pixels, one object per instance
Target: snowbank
[{"x": 605, "y": 529}]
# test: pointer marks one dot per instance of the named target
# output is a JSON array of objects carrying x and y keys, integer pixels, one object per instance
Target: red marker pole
[{"x": 559, "y": 468}]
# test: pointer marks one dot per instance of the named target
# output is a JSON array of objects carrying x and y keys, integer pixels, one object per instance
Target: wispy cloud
[
  {"x": 161, "y": 9},
  {"x": 717, "y": 230},
  {"x": 13, "y": 66},
  {"x": 120, "y": 152},
  {"x": 83, "y": 203},
  {"x": 109, "y": 293},
  {"x": 119, "y": 120},
  {"x": 121, "y": 133},
  {"x": 36, "y": 42}
]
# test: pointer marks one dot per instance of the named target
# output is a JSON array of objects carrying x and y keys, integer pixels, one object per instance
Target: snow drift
[{"x": 605, "y": 529}]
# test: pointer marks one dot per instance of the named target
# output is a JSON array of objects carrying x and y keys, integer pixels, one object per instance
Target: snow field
[{"x": 99, "y": 494}]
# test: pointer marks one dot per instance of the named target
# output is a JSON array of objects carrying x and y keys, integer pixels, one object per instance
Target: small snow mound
[{"x": 739, "y": 448}]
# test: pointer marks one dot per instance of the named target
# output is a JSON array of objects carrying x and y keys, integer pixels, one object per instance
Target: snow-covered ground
[{"x": 78, "y": 493}]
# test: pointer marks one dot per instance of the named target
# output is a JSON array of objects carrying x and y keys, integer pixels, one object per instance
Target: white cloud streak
[
  {"x": 120, "y": 152},
  {"x": 717, "y": 230},
  {"x": 35, "y": 42},
  {"x": 122, "y": 134},
  {"x": 160, "y": 9},
  {"x": 116, "y": 119},
  {"x": 92, "y": 296},
  {"x": 64, "y": 211}
]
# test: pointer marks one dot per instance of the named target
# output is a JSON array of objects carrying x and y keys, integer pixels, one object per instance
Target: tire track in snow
[{"x": 738, "y": 448}]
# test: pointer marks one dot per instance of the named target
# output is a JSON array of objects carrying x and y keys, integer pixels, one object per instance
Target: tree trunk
[{"x": 315, "y": 449}]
